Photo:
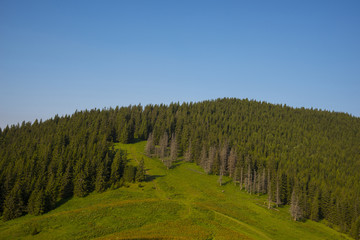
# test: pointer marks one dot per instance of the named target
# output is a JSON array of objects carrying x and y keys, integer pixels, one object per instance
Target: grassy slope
[{"x": 181, "y": 203}]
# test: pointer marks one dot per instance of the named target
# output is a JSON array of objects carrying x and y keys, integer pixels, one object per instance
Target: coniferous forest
[{"x": 306, "y": 158}]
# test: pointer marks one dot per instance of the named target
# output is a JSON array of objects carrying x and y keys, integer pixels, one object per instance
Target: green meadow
[{"x": 180, "y": 203}]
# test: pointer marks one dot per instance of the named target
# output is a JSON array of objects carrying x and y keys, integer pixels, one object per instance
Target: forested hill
[{"x": 308, "y": 156}]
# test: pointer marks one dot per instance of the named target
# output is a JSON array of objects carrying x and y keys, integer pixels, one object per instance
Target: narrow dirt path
[{"x": 261, "y": 234}]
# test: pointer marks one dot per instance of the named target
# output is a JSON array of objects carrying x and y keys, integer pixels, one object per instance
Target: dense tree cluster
[
  {"x": 45, "y": 162},
  {"x": 303, "y": 157}
]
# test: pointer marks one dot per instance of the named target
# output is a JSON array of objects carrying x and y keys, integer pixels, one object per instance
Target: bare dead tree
[
  {"x": 269, "y": 189},
  {"x": 204, "y": 160},
  {"x": 263, "y": 189},
  {"x": 150, "y": 146},
  {"x": 295, "y": 209},
  {"x": 249, "y": 180},
  {"x": 258, "y": 183},
  {"x": 163, "y": 143},
  {"x": 235, "y": 177},
  {"x": 224, "y": 158},
  {"x": 278, "y": 200},
  {"x": 211, "y": 158},
  {"x": 254, "y": 182},
  {"x": 232, "y": 162},
  {"x": 173, "y": 148},
  {"x": 241, "y": 177}
]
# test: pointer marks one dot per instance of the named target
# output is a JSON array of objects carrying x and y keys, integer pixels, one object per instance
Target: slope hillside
[
  {"x": 307, "y": 159},
  {"x": 178, "y": 203}
]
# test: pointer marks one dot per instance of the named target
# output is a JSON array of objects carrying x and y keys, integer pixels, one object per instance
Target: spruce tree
[
  {"x": 355, "y": 228},
  {"x": 14, "y": 204},
  {"x": 140, "y": 172},
  {"x": 314, "y": 215},
  {"x": 187, "y": 154},
  {"x": 66, "y": 185},
  {"x": 37, "y": 202},
  {"x": 100, "y": 182},
  {"x": 80, "y": 185}
]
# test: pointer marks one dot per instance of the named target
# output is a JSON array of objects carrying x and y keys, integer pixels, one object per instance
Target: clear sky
[{"x": 60, "y": 56}]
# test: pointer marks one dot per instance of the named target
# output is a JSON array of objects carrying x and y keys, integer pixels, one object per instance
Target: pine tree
[
  {"x": 117, "y": 166},
  {"x": 278, "y": 200},
  {"x": 66, "y": 185},
  {"x": 126, "y": 134},
  {"x": 51, "y": 192},
  {"x": 37, "y": 202},
  {"x": 14, "y": 203},
  {"x": 187, "y": 154},
  {"x": 314, "y": 215},
  {"x": 140, "y": 172},
  {"x": 100, "y": 182},
  {"x": 80, "y": 185},
  {"x": 355, "y": 228},
  {"x": 129, "y": 174}
]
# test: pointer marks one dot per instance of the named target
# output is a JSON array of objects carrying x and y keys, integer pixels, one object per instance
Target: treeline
[
  {"x": 302, "y": 156},
  {"x": 43, "y": 163}
]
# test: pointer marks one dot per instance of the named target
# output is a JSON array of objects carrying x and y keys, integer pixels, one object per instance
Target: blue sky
[{"x": 60, "y": 56}]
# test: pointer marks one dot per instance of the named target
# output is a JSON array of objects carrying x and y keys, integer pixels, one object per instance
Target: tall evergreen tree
[
  {"x": 140, "y": 172},
  {"x": 37, "y": 202},
  {"x": 187, "y": 154},
  {"x": 14, "y": 203},
  {"x": 80, "y": 185},
  {"x": 315, "y": 208},
  {"x": 66, "y": 185},
  {"x": 100, "y": 182},
  {"x": 117, "y": 166}
]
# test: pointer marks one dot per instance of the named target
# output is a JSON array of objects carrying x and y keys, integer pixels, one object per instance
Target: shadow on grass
[
  {"x": 224, "y": 183},
  {"x": 136, "y": 140},
  {"x": 150, "y": 178},
  {"x": 176, "y": 164},
  {"x": 61, "y": 202}
]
